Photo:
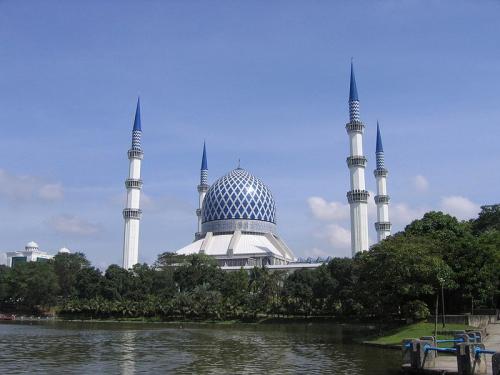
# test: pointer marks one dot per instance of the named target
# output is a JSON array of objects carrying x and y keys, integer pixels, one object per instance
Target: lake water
[{"x": 136, "y": 348}]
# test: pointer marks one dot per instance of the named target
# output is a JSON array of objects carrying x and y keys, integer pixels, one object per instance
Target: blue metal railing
[
  {"x": 441, "y": 350},
  {"x": 449, "y": 340},
  {"x": 478, "y": 352}
]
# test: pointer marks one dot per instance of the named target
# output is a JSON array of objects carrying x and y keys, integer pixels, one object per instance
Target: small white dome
[
  {"x": 64, "y": 250},
  {"x": 31, "y": 245}
]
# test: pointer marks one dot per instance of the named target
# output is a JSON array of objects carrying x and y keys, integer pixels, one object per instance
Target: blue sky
[{"x": 264, "y": 81}]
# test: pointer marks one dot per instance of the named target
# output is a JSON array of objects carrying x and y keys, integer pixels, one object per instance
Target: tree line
[{"x": 398, "y": 278}]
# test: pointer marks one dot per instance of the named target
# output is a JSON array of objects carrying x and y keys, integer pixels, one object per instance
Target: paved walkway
[
  {"x": 447, "y": 364},
  {"x": 492, "y": 342}
]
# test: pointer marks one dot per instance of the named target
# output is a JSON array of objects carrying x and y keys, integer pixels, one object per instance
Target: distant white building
[{"x": 31, "y": 253}]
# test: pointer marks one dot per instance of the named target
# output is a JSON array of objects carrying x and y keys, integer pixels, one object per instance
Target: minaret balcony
[
  {"x": 354, "y": 126},
  {"x": 355, "y": 196},
  {"x": 135, "y": 154},
  {"x": 381, "y": 199},
  {"x": 203, "y": 188},
  {"x": 132, "y": 213},
  {"x": 133, "y": 183},
  {"x": 383, "y": 226},
  {"x": 356, "y": 161},
  {"x": 380, "y": 172}
]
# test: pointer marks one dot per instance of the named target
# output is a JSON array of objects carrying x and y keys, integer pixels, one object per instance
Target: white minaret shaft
[
  {"x": 202, "y": 189},
  {"x": 358, "y": 195},
  {"x": 132, "y": 212},
  {"x": 383, "y": 225}
]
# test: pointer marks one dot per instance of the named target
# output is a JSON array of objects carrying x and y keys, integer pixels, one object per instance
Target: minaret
[
  {"x": 383, "y": 225},
  {"x": 202, "y": 188},
  {"x": 358, "y": 195},
  {"x": 132, "y": 212}
]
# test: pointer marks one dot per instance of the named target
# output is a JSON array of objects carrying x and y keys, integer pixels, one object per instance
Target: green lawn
[{"x": 417, "y": 330}]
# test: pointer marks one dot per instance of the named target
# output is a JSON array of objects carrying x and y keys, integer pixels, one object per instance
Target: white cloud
[
  {"x": 460, "y": 207},
  {"x": 155, "y": 204},
  {"x": 421, "y": 183},
  {"x": 315, "y": 252},
  {"x": 51, "y": 192},
  {"x": 401, "y": 214},
  {"x": 70, "y": 224},
  {"x": 22, "y": 188},
  {"x": 328, "y": 211},
  {"x": 147, "y": 201},
  {"x": 338, "y": 236}
]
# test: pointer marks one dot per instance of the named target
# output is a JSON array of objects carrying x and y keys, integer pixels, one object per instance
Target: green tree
[
  {"x": 344, "y": 281},
  {"x": 398, "y": 271},
  {"x": 234, "y": 291},
  {"x": 489, "y": 219},
  {"x": 198, "y": 269},
  {"x": 88, "y": 283},
  {"x": 117, "y": 283},
  {"x": 323, "y": 288},
  {"x": 66, "y": 267},
  {"x": 33, "y": 286},
  {"x": 4, "y": 286},
  {"x": 298, "y": 292},
  {"x": 164, "y": 285}
]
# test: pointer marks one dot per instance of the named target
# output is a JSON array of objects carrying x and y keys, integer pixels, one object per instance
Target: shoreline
[{"x": 262, "y": 321}]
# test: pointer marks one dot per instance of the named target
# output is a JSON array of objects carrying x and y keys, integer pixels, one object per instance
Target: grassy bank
[{"x": 417, "y": 330}]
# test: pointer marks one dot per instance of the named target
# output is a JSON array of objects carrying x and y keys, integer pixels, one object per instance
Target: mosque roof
[
  {"x": 239, "y": 195},
  {"x": 240, "y": 244}
]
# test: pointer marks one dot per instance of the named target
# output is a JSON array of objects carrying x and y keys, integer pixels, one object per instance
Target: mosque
[
  {"x": 237, "y": 221},
  {"x": 237, "y": 213}
]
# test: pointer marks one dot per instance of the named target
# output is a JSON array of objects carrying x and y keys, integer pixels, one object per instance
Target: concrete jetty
[{"x": 459, "y": 360}]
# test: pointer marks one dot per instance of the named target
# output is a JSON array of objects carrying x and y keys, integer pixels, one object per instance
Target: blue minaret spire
[
  {"x": 202, "y": 189},
  {"x": 137, "y": 130},
  {"x": 204, "y": 166},
  {"x": 353, "y": 97},
  {"x": 383, "y": 224},
  {"x": 379, "y": 151}
]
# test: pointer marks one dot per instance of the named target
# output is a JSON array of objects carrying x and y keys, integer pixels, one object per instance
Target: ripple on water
[{"x": 86, "y": 348}]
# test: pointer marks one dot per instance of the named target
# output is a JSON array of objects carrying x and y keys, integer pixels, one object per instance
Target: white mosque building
[
  {"x": 237, "y": 214},
  {"x": 31, "y": 253},
  {"x": 237, "y": 222}
]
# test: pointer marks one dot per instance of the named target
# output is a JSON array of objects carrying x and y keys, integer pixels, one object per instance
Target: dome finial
[{"x": 239, "y": 163}]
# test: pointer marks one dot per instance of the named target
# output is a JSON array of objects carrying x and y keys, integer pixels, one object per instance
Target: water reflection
[
  {"x": 128, "y": 352},
  {"x": 83, "y": 348}
]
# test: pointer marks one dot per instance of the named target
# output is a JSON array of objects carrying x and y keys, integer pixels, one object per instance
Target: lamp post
[
  {"x": 436, "y": 313},
  {"x": 441, "y": 281}
]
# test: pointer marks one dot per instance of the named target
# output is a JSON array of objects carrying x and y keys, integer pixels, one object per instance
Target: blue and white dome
[{"x": 238, "y": 201}]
